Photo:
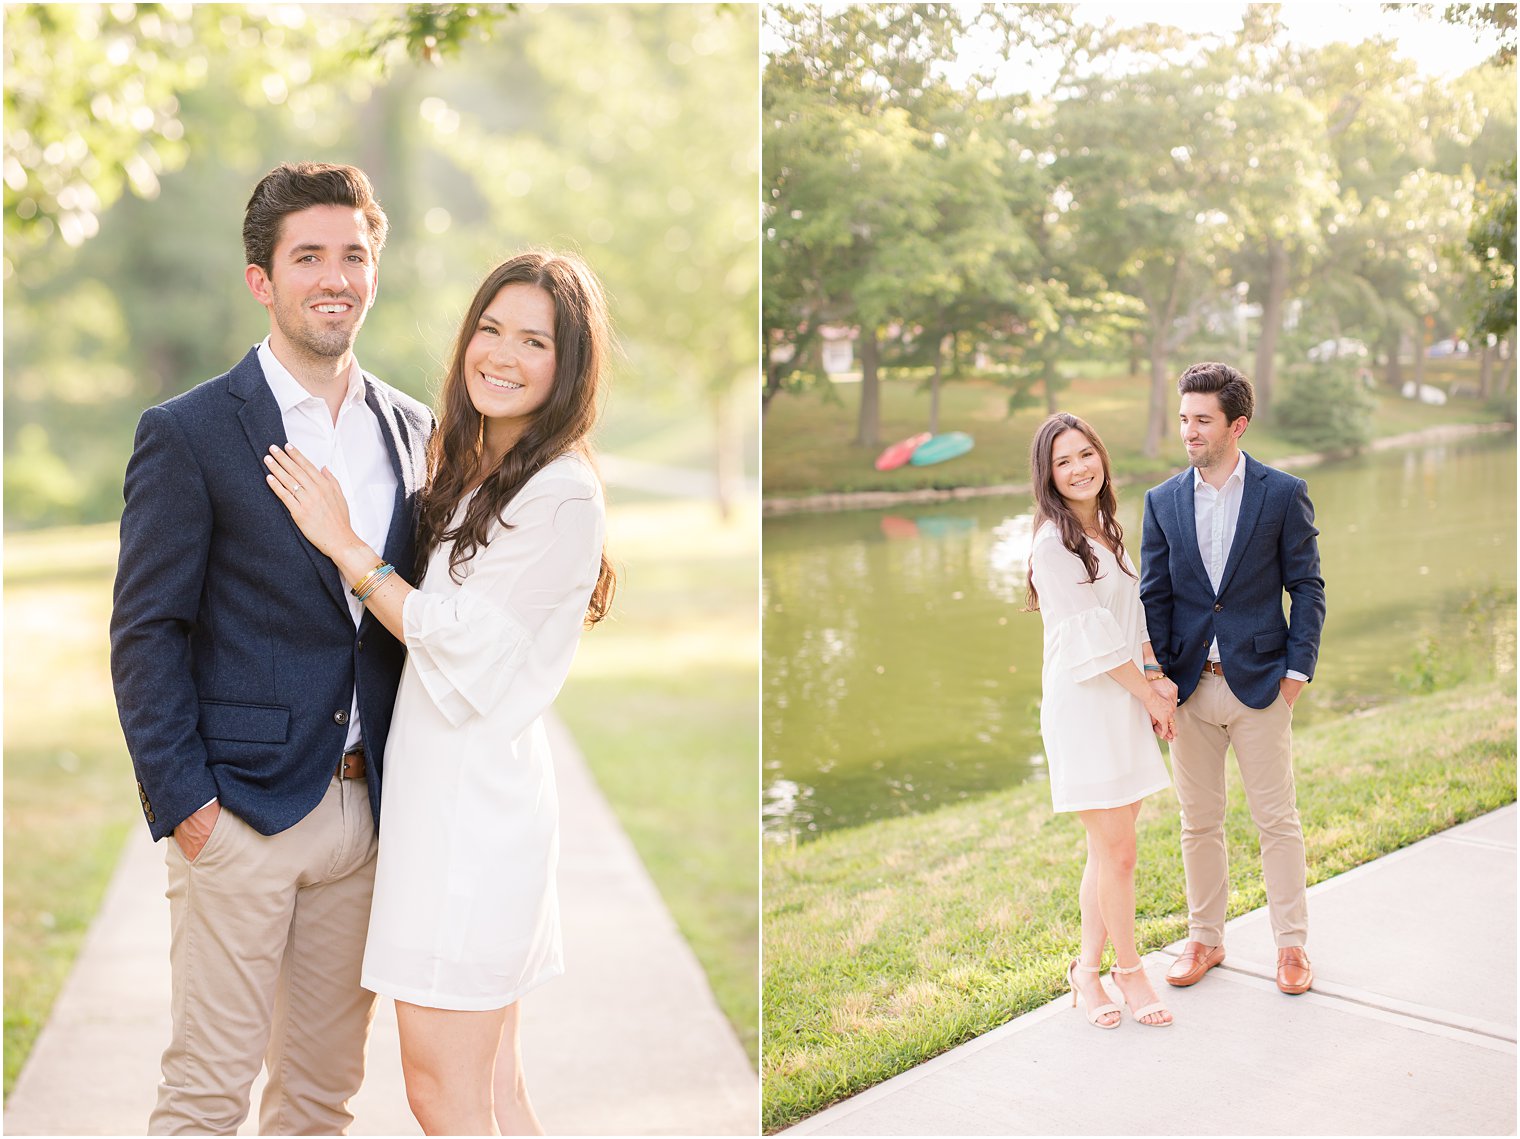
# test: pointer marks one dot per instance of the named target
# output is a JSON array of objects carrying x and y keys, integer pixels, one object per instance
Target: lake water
[{"x": 901, "y": 673}]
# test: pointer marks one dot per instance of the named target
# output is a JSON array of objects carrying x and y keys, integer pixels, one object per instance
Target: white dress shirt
[
  {"x": 1216, "y": 514},
  {"x": 353, "y": 449}
]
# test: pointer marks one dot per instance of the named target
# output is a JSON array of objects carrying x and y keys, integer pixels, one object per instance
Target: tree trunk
[
  {"x": 1161, "y": 330},
  {"x": 773, "y": 375},
  {"x": 1136, "y": 351},
  {"x": 1271, "y": 323},
  {"x": 1485, "y": 370},
  {"x": 1156, "y": 426},
  {"x": 1395, "y": 373},
  {"x": 1419, "y": 357},
  {"x": 939, "y": 363},
  {"x": 868, "y": 427}
]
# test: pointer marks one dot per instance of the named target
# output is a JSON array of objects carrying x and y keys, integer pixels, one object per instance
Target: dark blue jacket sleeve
[
  {"x": 165, "y": 537},
  {"x": 1298, "y": 549}
]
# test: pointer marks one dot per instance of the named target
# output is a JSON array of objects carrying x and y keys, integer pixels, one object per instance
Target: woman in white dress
[
  {"x": 465, "y": 918},
  {"x": 1103, "y": 701}
]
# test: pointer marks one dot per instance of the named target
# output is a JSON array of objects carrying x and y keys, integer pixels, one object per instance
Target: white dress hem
[
  {"x": 428, "y": 999},
  {"x": 1108, "y": 805}
]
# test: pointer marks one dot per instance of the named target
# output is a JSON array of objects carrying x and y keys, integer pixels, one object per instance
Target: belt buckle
[{"x": 343, "y": 763}]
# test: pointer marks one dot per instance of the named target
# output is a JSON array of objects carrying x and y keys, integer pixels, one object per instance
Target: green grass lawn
[
  {"x": 809, "y": 448},
  {"x": 662, "y": 701},
  {"x": 888, "y": 944},
  {"x": 69, "y": 792}
]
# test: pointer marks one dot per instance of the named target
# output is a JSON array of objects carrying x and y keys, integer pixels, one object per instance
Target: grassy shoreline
[
  {"x": 888, "y": 944},
  {"x": 809, "y": 448}
]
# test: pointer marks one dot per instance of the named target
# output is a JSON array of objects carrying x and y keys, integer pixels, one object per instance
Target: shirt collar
[
  {"x": 288, "y": 391},
  {"x": 1237, "y": 475}
]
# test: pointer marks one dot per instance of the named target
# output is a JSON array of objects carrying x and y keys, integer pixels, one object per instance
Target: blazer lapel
[
  {"x": 262, "y": 423},
  {"x": 1187, "y": 527},
  {"x": 398, "y": 538},
  {"x": 1253, "y": 494}
]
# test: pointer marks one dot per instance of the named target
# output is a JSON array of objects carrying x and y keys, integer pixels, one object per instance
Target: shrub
[{"x": 1325, "y": 407}]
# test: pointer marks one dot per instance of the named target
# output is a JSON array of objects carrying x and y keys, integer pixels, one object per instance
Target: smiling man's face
[{"x": 322, "y": 281}]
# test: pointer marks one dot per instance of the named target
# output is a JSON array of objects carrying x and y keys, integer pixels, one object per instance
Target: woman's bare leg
[
  {"x": 514, "y": 1111},
  {"x": 1094, "y": 935},
  {"x": 1094, "y": 932},
  {"x": 1111, "y": 834},
  {"x": 447, "y": 1058}
]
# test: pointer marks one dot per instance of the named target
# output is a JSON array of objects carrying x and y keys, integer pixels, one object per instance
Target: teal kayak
[{"x": 950, "y": 445}]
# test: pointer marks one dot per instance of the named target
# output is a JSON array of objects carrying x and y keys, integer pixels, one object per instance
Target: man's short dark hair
[
  {"x": 1237, "y": 398},
  {"x": 295, "y": 186}
]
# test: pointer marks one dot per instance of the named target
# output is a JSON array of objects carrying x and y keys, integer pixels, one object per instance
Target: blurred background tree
[
  {"x": 133, "y": 135},
  {"x": 1159, "y": 196}
]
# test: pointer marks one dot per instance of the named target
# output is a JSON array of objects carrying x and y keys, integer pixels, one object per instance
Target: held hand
[
  {"x": 193, "y": 833},
  {"x": 1162, "y": 710},
  {"x": 313, "y": 497},
  {"x": 1290, "y": 689},
  {"x": 1166, "y": 686}
]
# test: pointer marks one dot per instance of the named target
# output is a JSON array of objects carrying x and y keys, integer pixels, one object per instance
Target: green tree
[
  {"x": 1491, "y": 241},
  {"x": 1139, "y": 160},
  {"x": 657, "y": 192},
  {"x": 154, "y": 301},
  {"x": 895, "y": 200}
]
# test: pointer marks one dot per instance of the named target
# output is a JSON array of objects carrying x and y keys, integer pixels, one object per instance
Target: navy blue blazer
[
  {"x": 233, "y": 653},
  {"x": 1274, "y": 551}
]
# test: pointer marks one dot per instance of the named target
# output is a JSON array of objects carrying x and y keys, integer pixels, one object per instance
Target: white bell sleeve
[
  {"x": 1082, "y": 637},
  {"x": 532, "y": 580}
]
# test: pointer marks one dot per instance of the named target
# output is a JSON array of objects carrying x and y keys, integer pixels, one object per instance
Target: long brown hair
[
  {"x": 1051, "y": 507},
  {"x": 582, "y": 347}
]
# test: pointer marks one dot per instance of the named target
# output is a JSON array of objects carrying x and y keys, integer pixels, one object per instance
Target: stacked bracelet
[
  {"x": 1156, "y": 668},
  {"x": 359, "y": 585},
  {"x": 372, "y": 581}
]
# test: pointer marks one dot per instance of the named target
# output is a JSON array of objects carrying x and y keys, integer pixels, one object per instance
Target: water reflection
[
  {"x": 901, "y": 673},
  {"x": 1008, "y": 559}
]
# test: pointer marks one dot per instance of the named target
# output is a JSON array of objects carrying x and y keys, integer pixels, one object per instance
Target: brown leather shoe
[
  {"x": 1196, "y": 960},
  {"x": 1294, "y": 973}
]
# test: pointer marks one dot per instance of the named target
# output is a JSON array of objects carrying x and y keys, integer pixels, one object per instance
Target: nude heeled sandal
[
  {"x": 1154, "y": 1006},
  {"x": 1091, "y": 1014}
]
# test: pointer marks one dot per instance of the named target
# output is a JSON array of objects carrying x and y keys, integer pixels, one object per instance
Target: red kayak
[{"x": 899, "y": 453}]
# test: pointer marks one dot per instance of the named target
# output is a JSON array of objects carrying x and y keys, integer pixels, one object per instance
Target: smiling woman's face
[
  {"x": 1076, "y": 468},
  {"x": 509, "y": 362}
]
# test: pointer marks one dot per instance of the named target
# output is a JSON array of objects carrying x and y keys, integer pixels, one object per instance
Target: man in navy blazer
[
  {"x": 1223, "y": 541},
  {"x": 254, "y": 693}
]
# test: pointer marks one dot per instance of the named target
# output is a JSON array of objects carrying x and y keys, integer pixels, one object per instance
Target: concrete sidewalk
[
  {"x": 1410, "y": 1028},
  {"x": 628, "y": 1042}
]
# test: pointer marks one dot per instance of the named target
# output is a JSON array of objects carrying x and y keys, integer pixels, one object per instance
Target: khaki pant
[
  {"x": 267, "y": 943},
  {"x": 1208, "y": 724}
]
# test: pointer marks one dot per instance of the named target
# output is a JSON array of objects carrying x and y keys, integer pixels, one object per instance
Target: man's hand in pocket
[{"x": 194, "y": 831}]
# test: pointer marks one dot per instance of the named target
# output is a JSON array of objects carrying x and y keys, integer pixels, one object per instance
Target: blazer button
[
  {"x": 1218, "y": 608},
  {"x": 340, "y": 716},
  {"x": 361, "y": 646}
]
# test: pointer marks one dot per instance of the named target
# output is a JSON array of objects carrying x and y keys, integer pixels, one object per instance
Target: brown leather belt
[
  {"x": 1213, "y": 668},
  {"x": 351, "y": 766}
]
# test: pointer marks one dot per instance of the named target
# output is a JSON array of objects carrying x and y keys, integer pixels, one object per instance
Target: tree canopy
[
  {"x": 134, "y": 135},
  {"x": 1157, "y": 196}
]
